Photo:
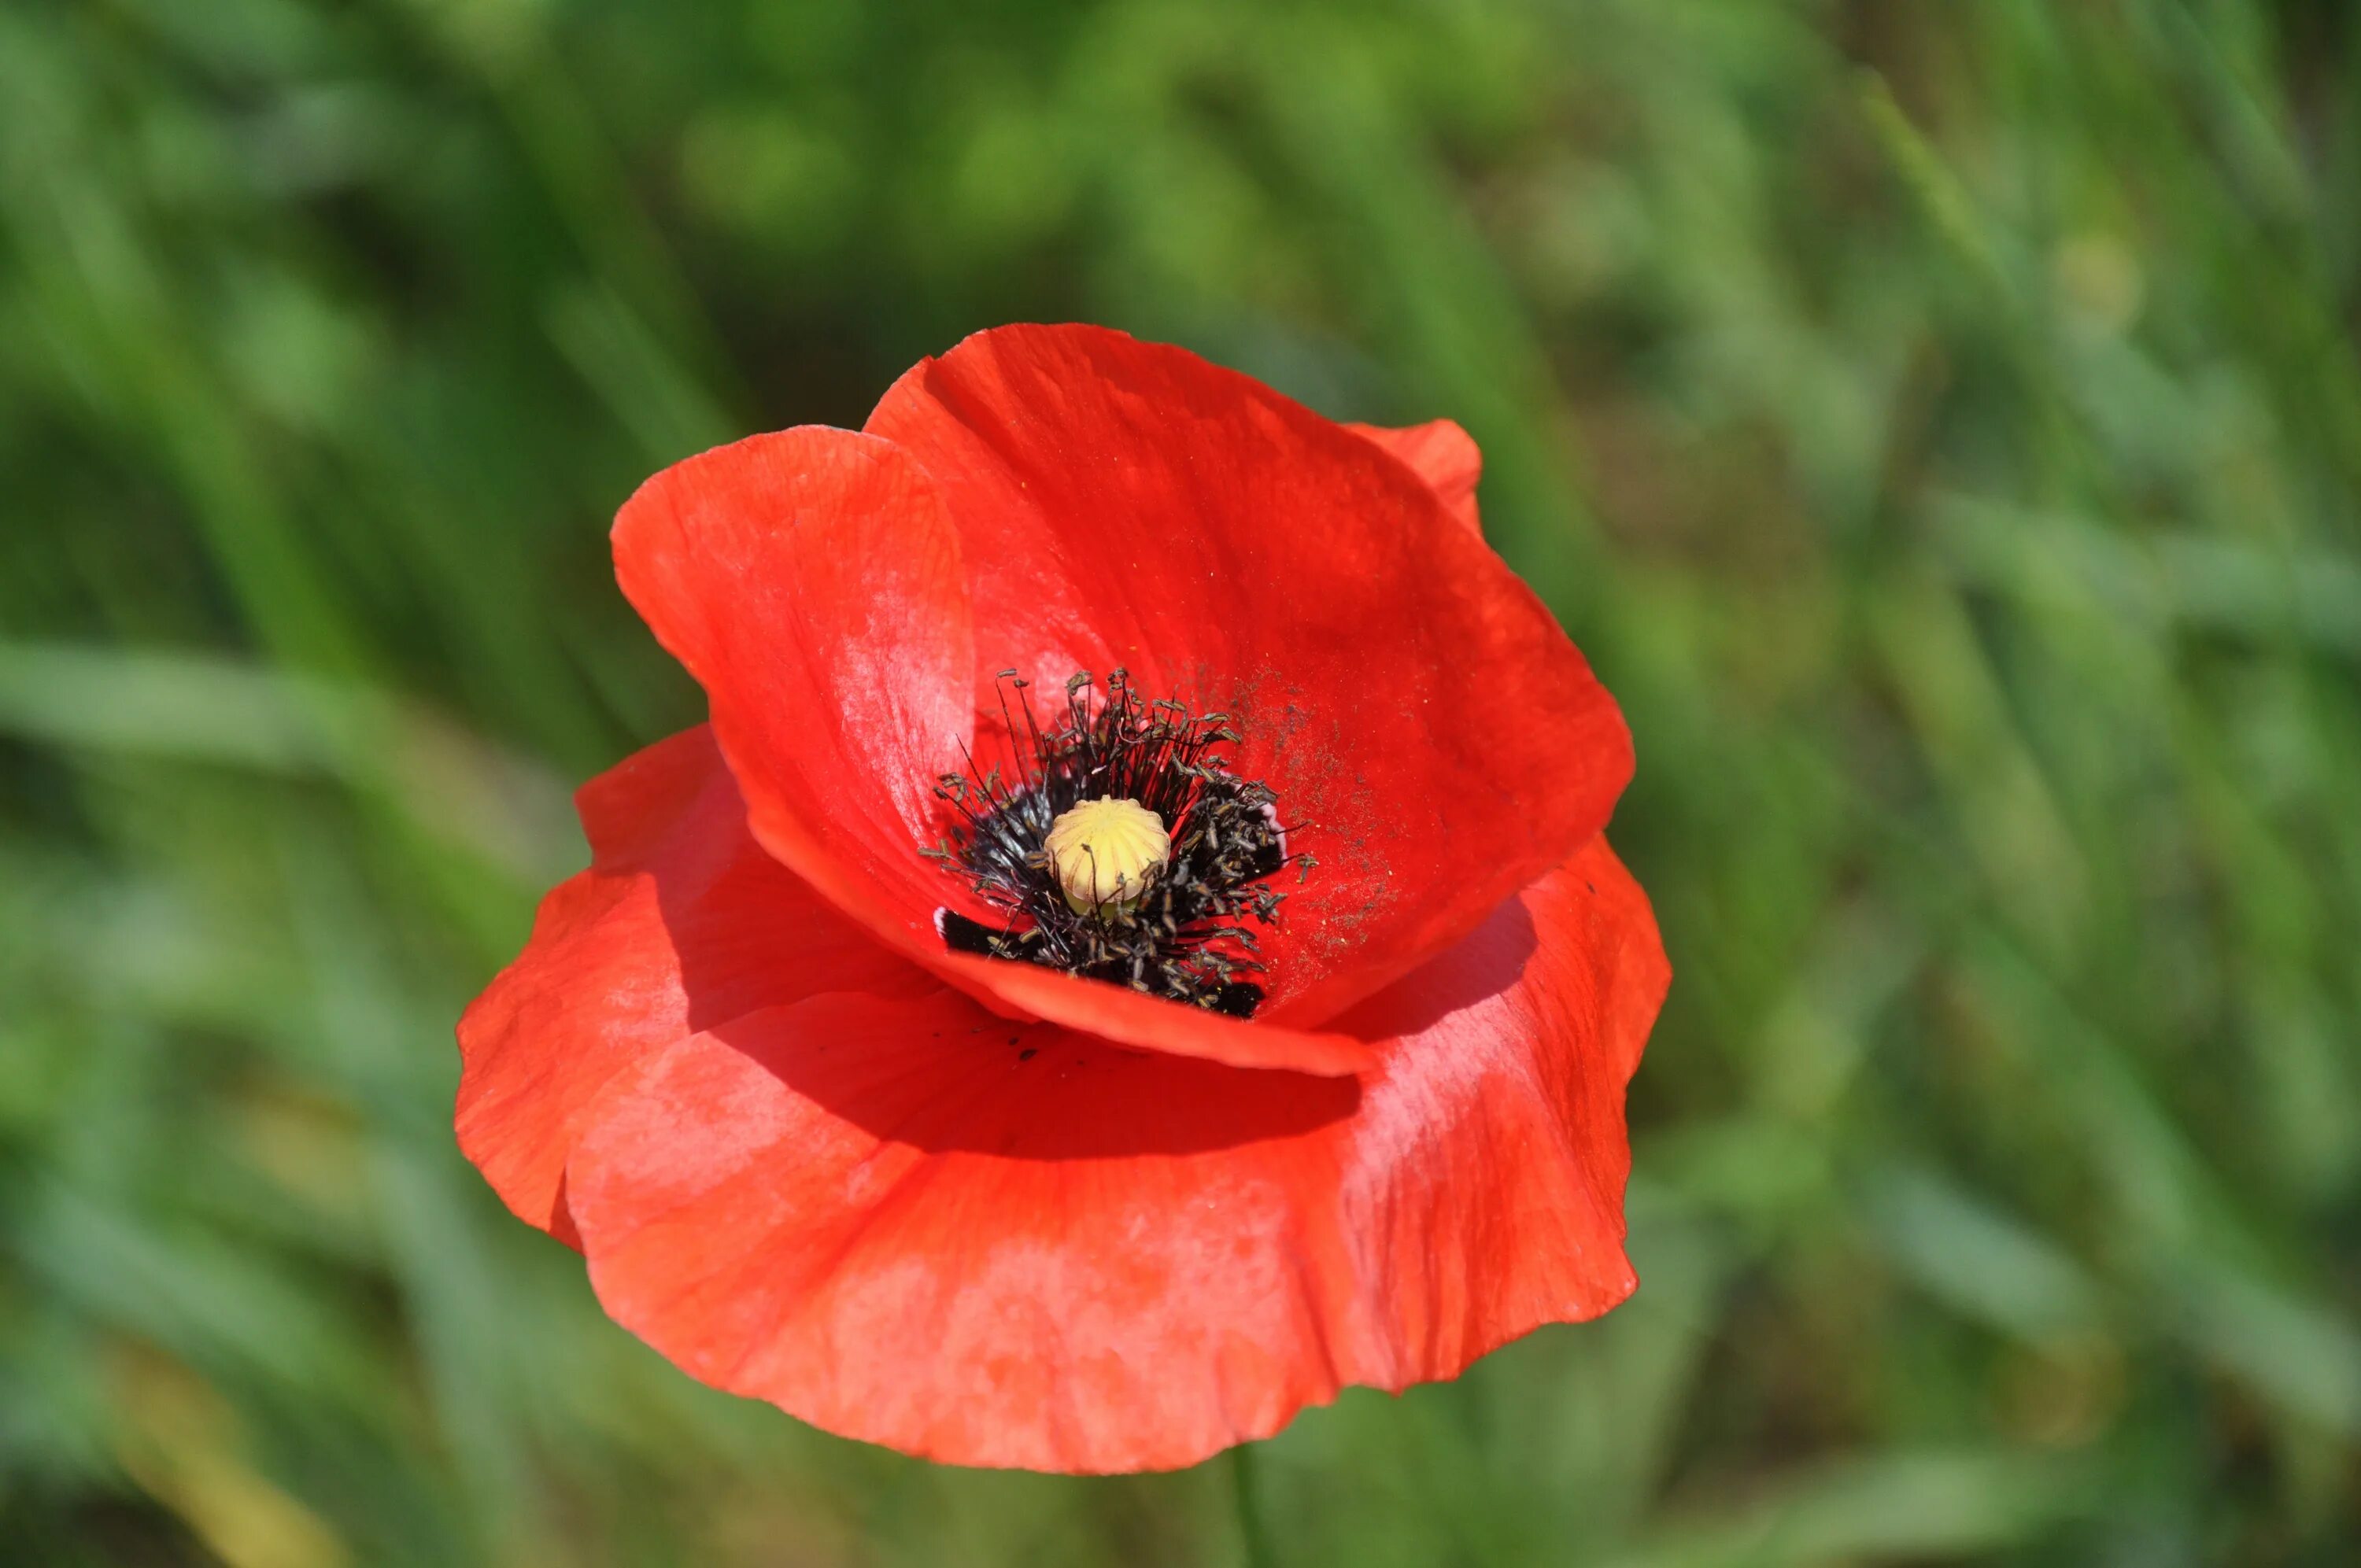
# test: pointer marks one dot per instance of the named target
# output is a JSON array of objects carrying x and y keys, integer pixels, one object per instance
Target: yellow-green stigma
[{"x": 1105, "y": 853}]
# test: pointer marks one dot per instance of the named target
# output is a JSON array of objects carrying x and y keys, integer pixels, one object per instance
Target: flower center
[
  {"x": 1104, "y": 853},
  {"x": 1119, "y": 846}
]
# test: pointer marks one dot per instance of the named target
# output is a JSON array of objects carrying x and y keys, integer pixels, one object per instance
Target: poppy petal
[
  {"x": 907, "y": 1221},
  {"x": 811, "y": 583},
  {"x": 1436, "y": 737},
  {"x": 680, "y": 924},
  {"x": 1028, "y": 991},
  {"x": 1442, "y": 455}
]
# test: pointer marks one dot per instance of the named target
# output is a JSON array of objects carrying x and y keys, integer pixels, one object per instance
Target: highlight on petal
[
  {"x": 681, "y": 923},
  {"x": 908, "y": 1221},
  {"x": 1424, "y": 718},
  {"x": 1442, "y": 455}
]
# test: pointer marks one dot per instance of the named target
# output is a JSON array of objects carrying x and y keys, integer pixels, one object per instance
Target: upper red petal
[
  {"x": 1442, "y": 455},
  {"x": 910, "y": 1222},
  {"x": 1420, "y": 714},
  {"x": 681, "y": 923}
]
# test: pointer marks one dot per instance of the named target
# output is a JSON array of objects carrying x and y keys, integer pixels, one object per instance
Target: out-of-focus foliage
[{"x": 1940, "y": 424}]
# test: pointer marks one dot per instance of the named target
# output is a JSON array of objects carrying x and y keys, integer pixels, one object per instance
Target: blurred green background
[{"x": 1940, "y": 423}]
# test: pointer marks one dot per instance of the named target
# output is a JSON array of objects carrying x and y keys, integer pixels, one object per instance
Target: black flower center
[{"x": 1183, "y": 931}]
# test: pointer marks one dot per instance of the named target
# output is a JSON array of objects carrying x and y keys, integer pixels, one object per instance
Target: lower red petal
[
  {"x": 682, "y": 923},
  {"x": 908, "y": 1221}
]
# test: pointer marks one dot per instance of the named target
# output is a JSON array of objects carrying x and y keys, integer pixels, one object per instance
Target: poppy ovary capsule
[{"x": 1105, "y": 854}]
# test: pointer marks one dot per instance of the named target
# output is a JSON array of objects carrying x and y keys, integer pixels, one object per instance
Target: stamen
[{"x": 1120, "y": 847}]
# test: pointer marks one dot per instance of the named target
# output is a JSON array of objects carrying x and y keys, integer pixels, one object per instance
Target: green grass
[{"x": 1941, "y": 425}]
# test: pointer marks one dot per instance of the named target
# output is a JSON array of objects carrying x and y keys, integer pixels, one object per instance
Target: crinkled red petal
[
  {"x": 681, "y": 924},
  {"x": 912, "y": 1223},
  {"x": 1434, "y": 736}
]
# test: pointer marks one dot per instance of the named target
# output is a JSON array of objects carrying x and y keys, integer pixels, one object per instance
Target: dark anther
[{"x": 1186, "y": 937}]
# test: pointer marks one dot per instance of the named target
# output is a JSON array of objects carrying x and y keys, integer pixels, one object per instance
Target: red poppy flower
[{"x": 1084, "y": 1074}]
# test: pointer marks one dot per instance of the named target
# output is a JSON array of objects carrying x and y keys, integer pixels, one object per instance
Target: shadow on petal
[
  {"x": 940, "y": 1074},
  {"x": 1489, "y": 961}
]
